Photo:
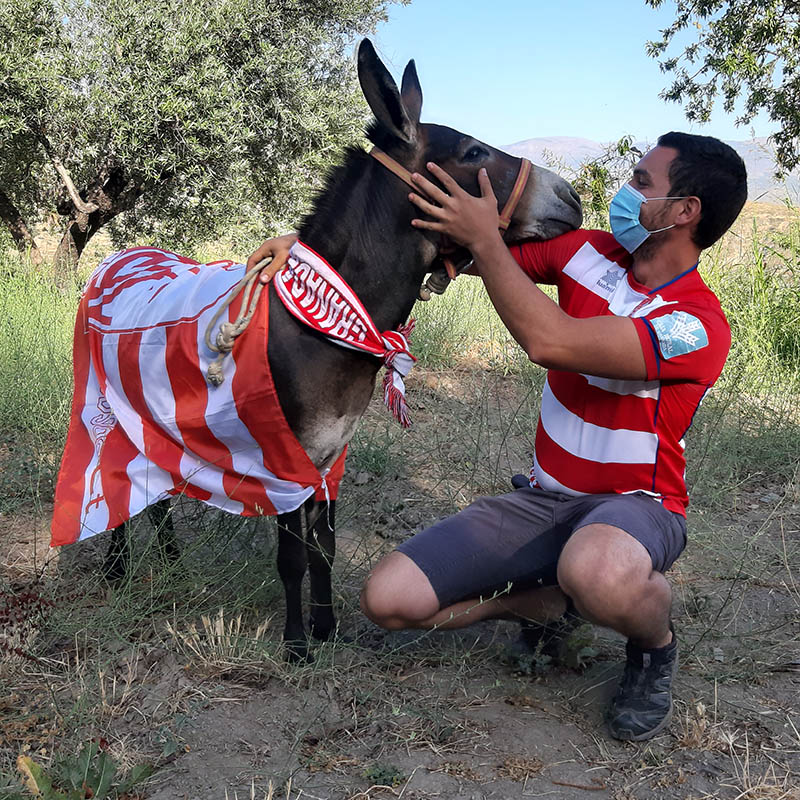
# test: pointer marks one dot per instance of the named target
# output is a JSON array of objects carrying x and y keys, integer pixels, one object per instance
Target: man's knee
[
  {"x": 397, "y": 594},
  {"x": 603, "y": 562}
]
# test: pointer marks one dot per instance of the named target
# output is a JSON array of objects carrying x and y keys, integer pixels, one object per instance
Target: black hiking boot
[
  {"x": 643, "y": 704},
  {"x": 546, "y": 637},
  {"x": 566, "y": 641}
]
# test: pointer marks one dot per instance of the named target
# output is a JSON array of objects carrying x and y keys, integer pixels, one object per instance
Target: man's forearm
[
  {"x": 531, "y": 317},
  {"x": 606, "y": 345}
]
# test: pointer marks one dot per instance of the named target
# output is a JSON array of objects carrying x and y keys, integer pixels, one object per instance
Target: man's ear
[{"x": 692, "y": 211}]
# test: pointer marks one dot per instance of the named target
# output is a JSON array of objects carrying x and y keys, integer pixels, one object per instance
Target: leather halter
[{"x": 505, "y": 214}]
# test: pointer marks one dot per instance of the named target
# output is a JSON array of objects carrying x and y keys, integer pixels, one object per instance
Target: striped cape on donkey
[{"x": 268, "y": 433}]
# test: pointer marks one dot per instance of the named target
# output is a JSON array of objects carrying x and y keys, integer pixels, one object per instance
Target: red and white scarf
[{"x": 314, "y": 292}]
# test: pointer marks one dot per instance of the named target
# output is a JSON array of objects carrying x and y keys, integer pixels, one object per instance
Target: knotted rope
[{"x": 228, "y": 331}]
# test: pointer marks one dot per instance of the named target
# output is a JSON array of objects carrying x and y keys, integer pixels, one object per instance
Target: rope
[{"x": 228, "y": 331}]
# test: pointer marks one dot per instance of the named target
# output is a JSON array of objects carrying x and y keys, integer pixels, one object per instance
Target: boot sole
[{"x": 628, "y": 736}]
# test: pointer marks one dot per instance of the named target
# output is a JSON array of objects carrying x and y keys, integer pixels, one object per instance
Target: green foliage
[
  {"x": 597, "y": 179},
  {"x": 371, "y": 448},
  {"x": 384, "y": 774},
  {"x": 36, "y": 326},
  {"x": 748, "y": 423},
  {"x": 762, "y": 301},
  {"x": 742, "y": 49},
  {"x": 215, "y": 113},
  {"x": 35, "y": 65},
  {"x": 92, "y": 773}
]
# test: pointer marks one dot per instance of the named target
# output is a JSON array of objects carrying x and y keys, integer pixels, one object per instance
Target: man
[{"x": 633, "y": 345}]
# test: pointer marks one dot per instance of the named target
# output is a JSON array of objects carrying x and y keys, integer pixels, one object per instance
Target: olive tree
[
  {"x": 174, "y": 120},
  {"x": 746, "y": 50}
]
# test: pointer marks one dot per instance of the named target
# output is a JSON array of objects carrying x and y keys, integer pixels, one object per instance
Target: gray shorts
[{"x": 517, "y": 538}]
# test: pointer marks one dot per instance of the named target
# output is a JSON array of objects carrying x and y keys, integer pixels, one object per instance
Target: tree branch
[
  {"x": 86, "y": 208},
  {"x": 66, "y": 179}
]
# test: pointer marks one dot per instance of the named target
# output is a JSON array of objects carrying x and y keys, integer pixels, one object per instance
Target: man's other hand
[
  {"x": 467, "y": 220},
  {"x": 277, "y": 249}
]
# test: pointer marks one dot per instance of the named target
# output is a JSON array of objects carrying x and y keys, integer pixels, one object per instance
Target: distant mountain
[{"x": 758, "y": 157}]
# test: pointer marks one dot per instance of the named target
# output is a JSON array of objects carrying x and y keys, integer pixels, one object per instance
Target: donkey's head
[{"x": 548, "y": 206}]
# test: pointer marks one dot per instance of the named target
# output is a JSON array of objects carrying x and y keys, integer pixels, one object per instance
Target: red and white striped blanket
[{"x": 146, "y": 423}]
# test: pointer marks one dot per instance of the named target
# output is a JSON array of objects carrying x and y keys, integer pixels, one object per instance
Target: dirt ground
[{"x": 212, "y": 705}]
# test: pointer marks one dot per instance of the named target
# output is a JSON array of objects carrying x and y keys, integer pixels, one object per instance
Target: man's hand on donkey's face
[{"x": 465, "y": 219}]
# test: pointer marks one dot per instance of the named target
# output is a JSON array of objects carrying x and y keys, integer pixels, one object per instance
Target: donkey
[{"x": 360, "y": 223}]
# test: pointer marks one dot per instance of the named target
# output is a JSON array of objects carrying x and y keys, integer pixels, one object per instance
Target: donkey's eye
[{"x": 475, "y": 154}]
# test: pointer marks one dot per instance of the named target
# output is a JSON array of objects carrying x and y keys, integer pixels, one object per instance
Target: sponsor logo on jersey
[{"x": 679, "y": 333}]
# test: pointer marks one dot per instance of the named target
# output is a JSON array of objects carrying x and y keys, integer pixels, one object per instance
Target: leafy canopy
[
  {"x": 214, "y": 111},
  {"x": 741, "y": 49}
]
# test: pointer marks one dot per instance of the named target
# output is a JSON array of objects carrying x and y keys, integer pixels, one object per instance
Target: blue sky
[{"x": 508, "y": 70}]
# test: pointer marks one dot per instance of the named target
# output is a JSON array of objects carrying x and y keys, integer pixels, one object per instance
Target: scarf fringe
[{"x": 395, "y": 401}]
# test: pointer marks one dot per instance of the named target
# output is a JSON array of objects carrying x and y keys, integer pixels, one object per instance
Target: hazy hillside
[{"x": 757, "y": 155}]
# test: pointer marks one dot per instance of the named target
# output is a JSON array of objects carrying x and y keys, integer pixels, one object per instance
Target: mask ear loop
[{"x": 659, "y": 230}]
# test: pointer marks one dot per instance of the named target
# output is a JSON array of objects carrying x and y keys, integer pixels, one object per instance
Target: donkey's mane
[
  {"x": 336, "y": 193},
  {"x": 342, "y": 177}
]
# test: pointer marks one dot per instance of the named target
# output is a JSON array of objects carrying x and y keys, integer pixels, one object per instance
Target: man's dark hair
[{"x": 709, "y": 169}]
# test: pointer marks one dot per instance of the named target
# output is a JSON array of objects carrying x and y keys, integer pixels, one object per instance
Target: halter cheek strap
[
  {"x": 505, "y": 214},
  {"x": 516, "y": 193}
]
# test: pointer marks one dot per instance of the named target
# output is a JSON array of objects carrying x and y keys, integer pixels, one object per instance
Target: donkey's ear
[
  {"x": 411, "y": 92},
  {"x": 381, "y": 92}
]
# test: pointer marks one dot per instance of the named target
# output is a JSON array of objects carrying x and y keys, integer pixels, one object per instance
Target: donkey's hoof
[
  {"x": 115, "y": 567},
  {"x": 297, "y": 652},
  {"x": 322, "y": 630}
]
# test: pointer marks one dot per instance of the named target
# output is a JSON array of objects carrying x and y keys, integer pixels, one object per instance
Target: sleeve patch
[{"x": 679, "y": 333}]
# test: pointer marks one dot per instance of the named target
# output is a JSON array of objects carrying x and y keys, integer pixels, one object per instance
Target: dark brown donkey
[{"x": 360, "y": 224}]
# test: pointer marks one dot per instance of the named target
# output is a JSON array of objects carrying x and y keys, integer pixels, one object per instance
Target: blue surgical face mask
[{"x": 623, "y": 213}]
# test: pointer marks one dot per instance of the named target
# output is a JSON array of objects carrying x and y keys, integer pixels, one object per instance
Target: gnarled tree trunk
[
  {"x": 110, "y": 194},
  {"x": 18, "y": 229}
]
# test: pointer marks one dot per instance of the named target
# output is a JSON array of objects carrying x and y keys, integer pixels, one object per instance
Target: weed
[
  {"x": 371, "y": 448},
  {"x": 92, "y": 773},
  {"x": 380, "y": 774}
]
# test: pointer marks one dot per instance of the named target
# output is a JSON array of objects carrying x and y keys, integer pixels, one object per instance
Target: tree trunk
[
  {"x": 110, "y": 195},
  {"x": 18, "y": 229},
  {"x": 79, "y": 230}
]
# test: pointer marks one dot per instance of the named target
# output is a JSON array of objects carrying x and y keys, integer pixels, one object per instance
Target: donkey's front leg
[
  {"x": 291, "y": 568},
  {"x": 161, "y": 520},
  {"x": 321, "y": 548}
]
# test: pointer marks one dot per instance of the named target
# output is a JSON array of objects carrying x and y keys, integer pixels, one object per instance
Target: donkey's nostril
[{"x": 567, "y": 194}]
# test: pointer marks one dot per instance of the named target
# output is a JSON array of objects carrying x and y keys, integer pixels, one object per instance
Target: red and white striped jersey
[
  {"x": 145, "y": 421},
  {"x": 597, "y": 435}
]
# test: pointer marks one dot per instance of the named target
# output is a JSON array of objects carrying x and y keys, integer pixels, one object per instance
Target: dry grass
[
  {"x": 137, "y": 665},
  {"x": 220, "y": 646}
]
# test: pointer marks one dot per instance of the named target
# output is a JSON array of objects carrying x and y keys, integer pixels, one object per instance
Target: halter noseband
[{"x": 505, "y": 214}]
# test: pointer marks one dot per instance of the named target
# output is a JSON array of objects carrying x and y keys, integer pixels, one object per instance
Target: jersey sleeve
[
  {"x": 544, "y": 261},
  {"x": 684, "y": 342}
]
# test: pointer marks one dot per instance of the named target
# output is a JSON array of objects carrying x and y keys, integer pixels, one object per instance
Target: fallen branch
[{"x": 597, "y": 786}]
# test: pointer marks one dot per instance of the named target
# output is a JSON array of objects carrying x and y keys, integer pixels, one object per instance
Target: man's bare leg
[
  {"x": 607, "y": 573},
  {"x": 398, "y": 595},
  {"x": 610, "y": 577}
]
